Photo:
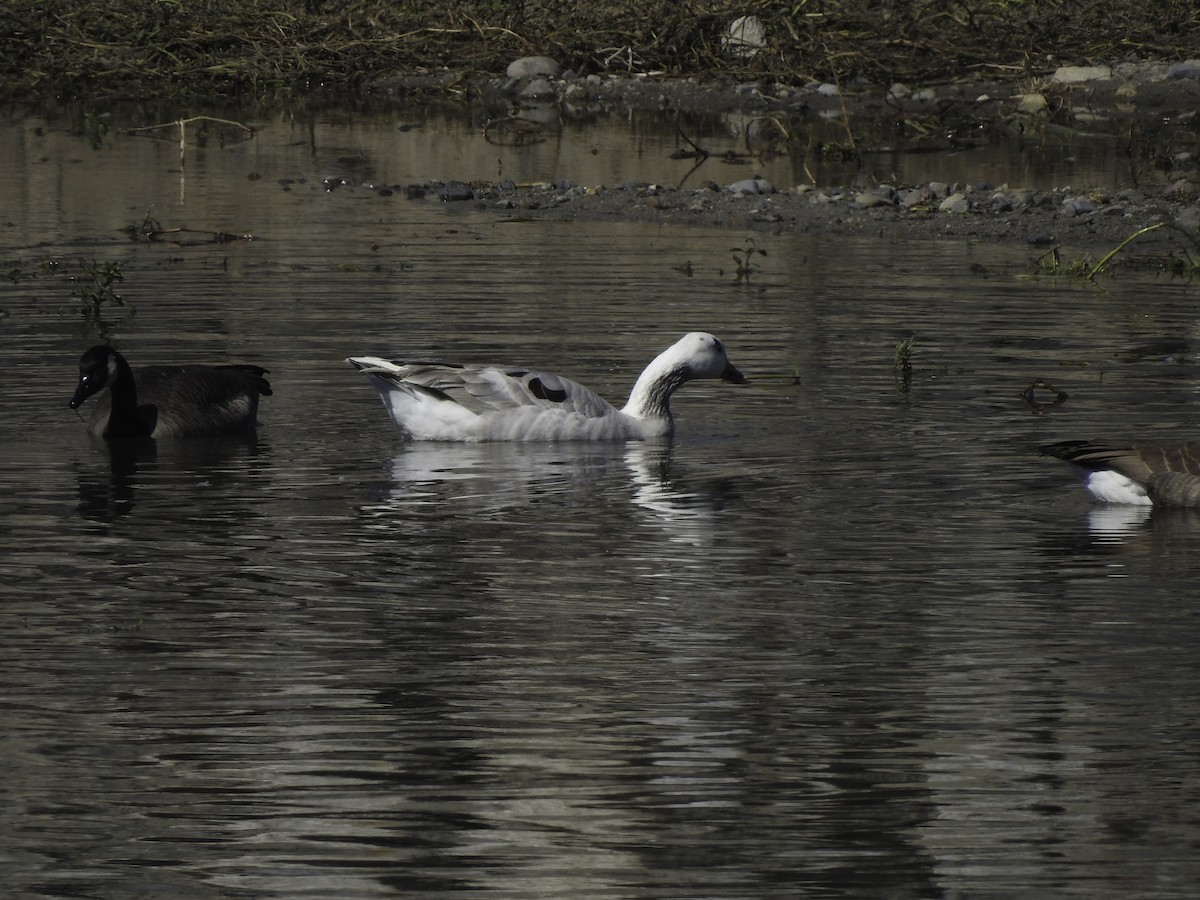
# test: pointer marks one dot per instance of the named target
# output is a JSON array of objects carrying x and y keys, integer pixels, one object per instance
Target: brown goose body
[
  {"x": 1144, "y": 474},
  {"x": 167, "y": 401}
]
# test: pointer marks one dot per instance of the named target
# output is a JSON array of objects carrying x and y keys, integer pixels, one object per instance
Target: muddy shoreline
[{"x": 1151, "y": 105}]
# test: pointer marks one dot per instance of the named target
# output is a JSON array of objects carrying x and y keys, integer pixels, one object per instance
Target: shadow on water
[{"x": 138, "y": 464}]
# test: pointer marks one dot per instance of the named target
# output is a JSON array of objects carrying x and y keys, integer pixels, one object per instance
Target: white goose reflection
[
  {"x": 686, "y": 512},
  {"x": 494, "y": 477}
]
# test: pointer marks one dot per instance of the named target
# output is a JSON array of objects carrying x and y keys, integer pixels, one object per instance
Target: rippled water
[{"x": 837, "y": 638}]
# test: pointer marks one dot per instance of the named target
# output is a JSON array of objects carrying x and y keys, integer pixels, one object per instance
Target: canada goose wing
[{"x": 195, "y": 400}]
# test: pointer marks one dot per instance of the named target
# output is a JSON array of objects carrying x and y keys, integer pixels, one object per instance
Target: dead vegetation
[{"x": 151, "y": 47}]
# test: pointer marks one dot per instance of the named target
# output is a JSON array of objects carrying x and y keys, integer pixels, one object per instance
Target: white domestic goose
[
  {"x": 441, "y": 402},
  {"x": 1141, "y": 474},
  {"x": 167, "y": 401}
]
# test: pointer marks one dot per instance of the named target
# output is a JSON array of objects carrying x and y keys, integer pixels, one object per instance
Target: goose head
[
  {"x": 704, "y": 357},
  {"x": 99, "y": 368}
]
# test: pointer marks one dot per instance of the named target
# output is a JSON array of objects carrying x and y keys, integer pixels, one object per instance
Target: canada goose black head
[{"x": 98, "y": 368}]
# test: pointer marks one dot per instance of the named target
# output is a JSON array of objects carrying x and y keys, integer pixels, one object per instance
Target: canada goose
[
  {"x": 1141, "y": 474},
  {"x": 442, "y": 402},
  {"x": 167, "y": 401}
]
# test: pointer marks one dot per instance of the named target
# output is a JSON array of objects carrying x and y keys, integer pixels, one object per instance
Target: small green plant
[
  {"x": 1052, "y": 263},
  {"x": 743, "y": 259},
  {"x": 96, "y": 287},
  {"x": 902, "y": 363}
]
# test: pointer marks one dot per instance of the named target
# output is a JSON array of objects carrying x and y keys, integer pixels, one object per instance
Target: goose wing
[
  {"x": 184, "y": 400},
  {"x": 489, "y": 389},
  {"x": 1139, "y": 462}
]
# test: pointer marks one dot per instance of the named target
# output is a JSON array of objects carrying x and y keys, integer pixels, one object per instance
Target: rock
[
  {"x": 1189, "y": 68},
  {"x": 752, "y": 186},
  {"x": 1078, "y": 206},
  {"x": 1031, "y": 104},
  {"x": 537, "y": 88},
  {"x": 828, "y": 90},
  {"x": 746, "y": 36},
  {"x": 1183, "y": 189},
  {"x": 533, "y": 66},
  {"x": 1080, "y": 74},
  {"x": 917, "y": 196},
  {"x": 955, "y": 203},
  {"x": 455, "y": 190},
  {"x": 869, "y": 201},
  {"x": 1189, "y": 219}
]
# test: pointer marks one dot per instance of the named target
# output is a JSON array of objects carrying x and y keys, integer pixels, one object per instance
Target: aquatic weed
[
  {"x": 742, "y": 258},
  {"x": 96, "y": 287}
]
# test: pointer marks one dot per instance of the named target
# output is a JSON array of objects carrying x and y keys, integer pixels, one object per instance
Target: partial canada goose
[
  {"x": 443, "y": 402},
  {"x": 167, "y": 401},
  {"x": 1142, "y": 474}
]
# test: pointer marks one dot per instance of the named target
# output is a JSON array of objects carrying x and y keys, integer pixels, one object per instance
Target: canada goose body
[
  {"x": 1140, "y": 474},
  {"x": 167, "y": 401},
  {"x": 446, "y": 402}
]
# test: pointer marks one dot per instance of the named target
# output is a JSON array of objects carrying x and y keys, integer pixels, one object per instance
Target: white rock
[
  {"x": 529, "y": 66},
  {"x": 955, "y": 203},
  {"x": 1078, "y": 74},
  {"x": 1031, "y": 104},
  {"x": 752, "y": 186},
  {"x": 746, "y": 36}
]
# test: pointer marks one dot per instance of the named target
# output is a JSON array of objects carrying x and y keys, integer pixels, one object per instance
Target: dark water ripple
[{"x": 840, "y": 638}]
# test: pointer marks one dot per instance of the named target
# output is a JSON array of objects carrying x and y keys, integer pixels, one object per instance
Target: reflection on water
[
  {"x": 835, "y": 639},
  {"x": 109, "y": 492}
]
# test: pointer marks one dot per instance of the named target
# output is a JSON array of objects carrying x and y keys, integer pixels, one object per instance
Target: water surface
[{"x": 842, "y": 636}]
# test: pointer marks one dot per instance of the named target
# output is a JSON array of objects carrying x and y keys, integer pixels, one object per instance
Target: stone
[
  {"x": 1080, "y": 74},
  {"x": 1189, "y": 68},
  {"x": 1031, "y": 104},
  {"x": 533, "y": 66},
  {"x": 455, "y": 190},
  {"x": 917, "y": 196},
  {"x": 955, "y": 203},
  {"x": 752, "y": 186},
  {"x": 868, "y": 200},
  {"x": 537, "y": 87},
  {"x": 746, "y": 36},
  {"x": 1078, "y": 206}
]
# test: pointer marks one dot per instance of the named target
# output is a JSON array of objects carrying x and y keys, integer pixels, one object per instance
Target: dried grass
[{"x": 148, "y": 47}]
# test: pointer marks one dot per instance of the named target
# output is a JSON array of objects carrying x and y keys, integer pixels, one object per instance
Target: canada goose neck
[{"x": 123, "y": 418}]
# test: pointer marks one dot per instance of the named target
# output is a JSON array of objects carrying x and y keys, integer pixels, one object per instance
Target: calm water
[{"x": 838, "y": 638}]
